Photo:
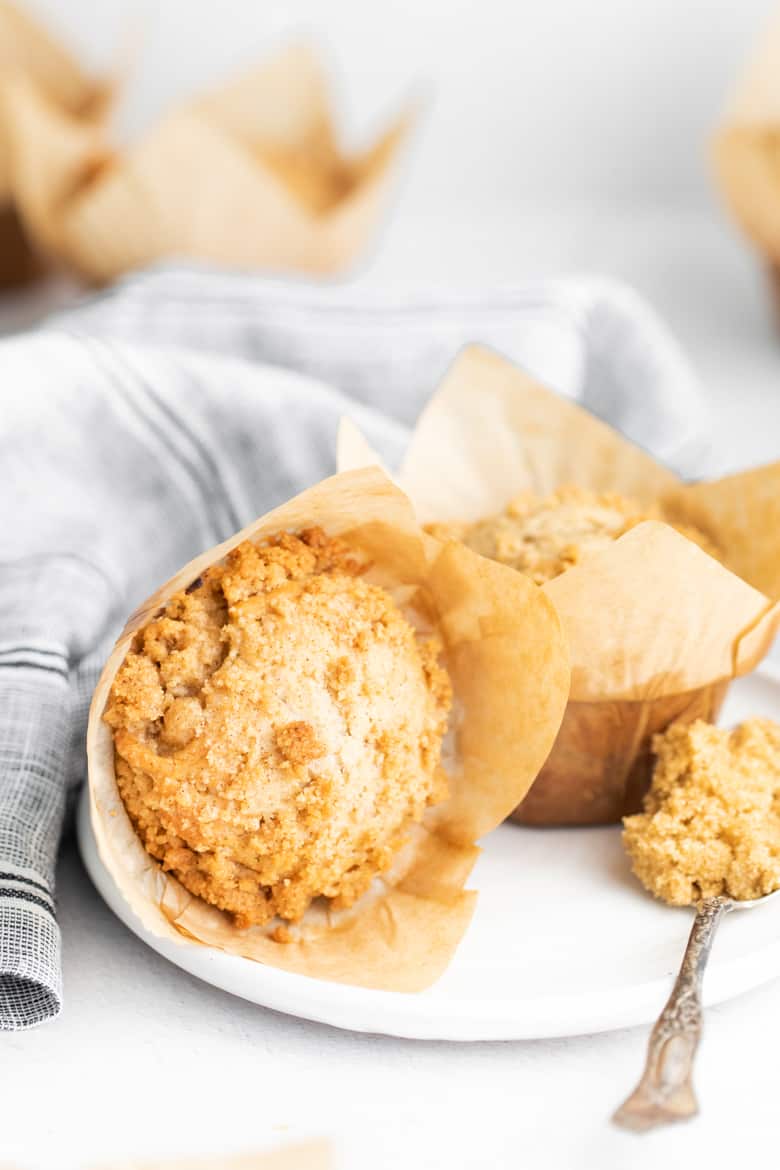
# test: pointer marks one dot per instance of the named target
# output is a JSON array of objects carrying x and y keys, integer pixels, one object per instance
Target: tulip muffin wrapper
[
  {"x": 312, "y": 1155},
  {"x": 745, "y": 147},
  {"x": 28, "y": 54},
  {"x": 508, "y": 663},
  {"x": 656, "y": 627},
  {"x": 103, "y": 211}
]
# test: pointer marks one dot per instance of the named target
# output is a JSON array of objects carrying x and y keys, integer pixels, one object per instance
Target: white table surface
[{"x": 146, "y": 1061}]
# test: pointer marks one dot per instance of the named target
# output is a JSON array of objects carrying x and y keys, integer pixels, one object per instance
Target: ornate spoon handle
[{"x": 665, "y": 1092}]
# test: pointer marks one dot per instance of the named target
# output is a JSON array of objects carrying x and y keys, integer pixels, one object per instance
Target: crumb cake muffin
[
  {"x": 278, "y": 729},
  {"x": 711, "y": 823},
  {"x": 544, "y": 536}
]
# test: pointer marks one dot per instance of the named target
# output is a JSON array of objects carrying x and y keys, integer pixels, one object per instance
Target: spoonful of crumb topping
[{"x": 709, "y": 836}]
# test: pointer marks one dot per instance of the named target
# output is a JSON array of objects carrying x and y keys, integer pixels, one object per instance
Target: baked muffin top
[
  {"x": 544, "y": 536},
  {"x": 278, "y": 729}
]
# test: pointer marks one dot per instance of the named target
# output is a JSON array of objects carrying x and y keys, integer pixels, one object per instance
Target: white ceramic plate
[{"x": 563, "y": 941}]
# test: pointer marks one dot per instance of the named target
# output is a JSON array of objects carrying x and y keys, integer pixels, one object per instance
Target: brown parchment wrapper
[
  {"x": 656, "y": 628},
  {"x": 506, "y": 655},
  {"x": 273, "y": 189},
  {"x": 746, "y": 146},
  {"x": 27, "y": 51},
  {"x": 312, "y": 1155},
  {"x": 20, "y": 262}
]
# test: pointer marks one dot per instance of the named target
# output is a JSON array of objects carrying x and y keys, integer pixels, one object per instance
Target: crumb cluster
[
  {"x": 711, "y": 823},
  {"x": 278, "y": 729},
  {"x": 542, "y": 537}
]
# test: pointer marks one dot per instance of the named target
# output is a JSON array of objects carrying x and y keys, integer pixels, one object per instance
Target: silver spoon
[{"x": 665, "y": 1092}]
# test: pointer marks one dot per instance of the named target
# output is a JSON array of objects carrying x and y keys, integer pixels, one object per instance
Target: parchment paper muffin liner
[
  {"x": 273, "y": 189},
  {"x": 312, "y": 1155},
  {"x": 656, "y": 627},
  {"x": 27, "y": 51},
  {"x": 745, "y": 147},
  {"x": 507, "y": 659}
]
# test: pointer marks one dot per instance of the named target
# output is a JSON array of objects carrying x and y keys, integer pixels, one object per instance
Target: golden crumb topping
[
  {"x": 543, "y": 537},
  {"x": 278, "y": 729},
  {"x": 711, "y": 823}
]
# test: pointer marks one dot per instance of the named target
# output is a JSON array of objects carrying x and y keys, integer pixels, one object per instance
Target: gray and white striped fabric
[{"x": 147, "y": 424}]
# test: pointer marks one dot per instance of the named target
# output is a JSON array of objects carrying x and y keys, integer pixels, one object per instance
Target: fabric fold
[
  {"x": 590, "y": 338},
  {"x": 34, "y": 725}
]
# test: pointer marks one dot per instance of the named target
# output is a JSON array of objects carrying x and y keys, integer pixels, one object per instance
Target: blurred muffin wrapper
[
  {"x": 745, "y": 151},
  {"x": 20, "y": 263},
  {"x": 656, "y": 628},
  {"x": 311, "y": 1155},
  {"x": 506, "y": 657},
  {"x": 29, "y": 55},
  {"x": 273, "y": 188}
]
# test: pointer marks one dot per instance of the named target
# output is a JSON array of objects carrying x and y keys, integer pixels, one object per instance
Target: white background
[
  {"x": 559, "y": 136},
  {"x": 533, "y": 103}
]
